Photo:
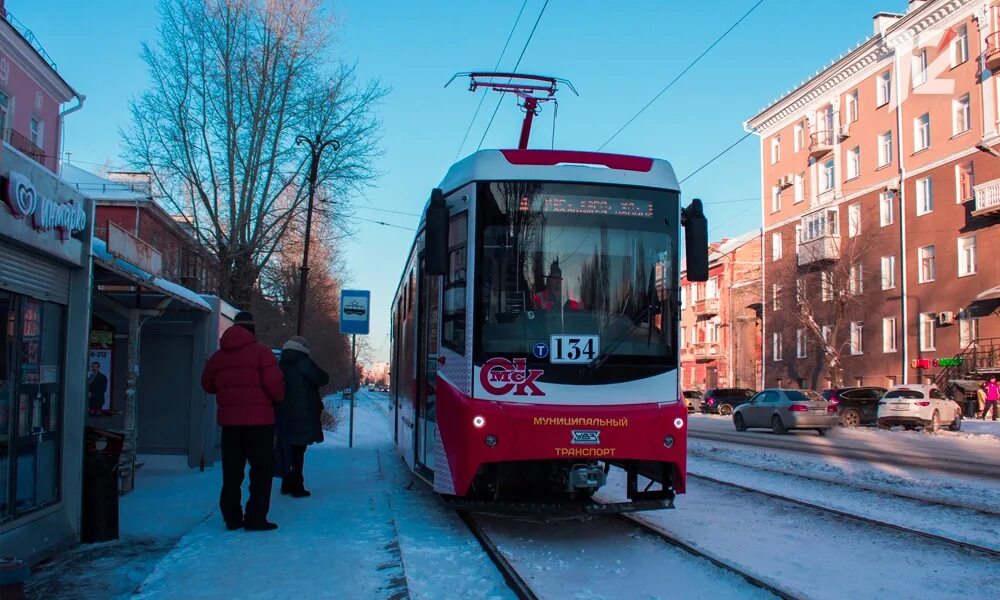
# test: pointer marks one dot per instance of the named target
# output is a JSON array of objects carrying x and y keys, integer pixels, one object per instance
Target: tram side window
[{"x": 454, "y": 320}]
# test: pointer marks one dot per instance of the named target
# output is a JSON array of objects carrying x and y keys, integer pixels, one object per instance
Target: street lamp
[{"x": 316, "y": 148}]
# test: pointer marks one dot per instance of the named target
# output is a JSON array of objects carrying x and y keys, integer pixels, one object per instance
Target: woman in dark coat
[{"x": 300, "y": 413}]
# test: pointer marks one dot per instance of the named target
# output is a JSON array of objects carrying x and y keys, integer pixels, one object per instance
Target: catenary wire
[
  {"x": 681, "y": 74},
  {"x": 482, "y": 98},
  {"x": 514, "y": 70}
]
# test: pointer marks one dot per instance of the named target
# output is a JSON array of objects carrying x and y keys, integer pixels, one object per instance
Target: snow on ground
[
  {"x": 366, "y": 532},
  {"x": 959, "y": 489},
  {"x": 955, "y": 523},
  {"x": 606, "y": 558},
  {"x": 816, "y": 555}
]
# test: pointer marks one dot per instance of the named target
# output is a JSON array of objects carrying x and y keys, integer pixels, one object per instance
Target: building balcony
[
  {"x": 706, "y": 307},
  {"x": 991, "y": 57},
  {"x": 25, "y": 146},
  {"x": 705, "y": 350},
  {"x": 987, "y": 197},
  {"x": 823, "y": 248},
  {"x": 820, "y": 143}
]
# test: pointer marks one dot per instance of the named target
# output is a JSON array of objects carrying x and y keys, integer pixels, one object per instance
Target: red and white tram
[{"x": 534, "y": 337}]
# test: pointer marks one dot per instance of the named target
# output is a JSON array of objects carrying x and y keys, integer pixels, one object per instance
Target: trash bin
[
  {"x": 13, "y": 573},
  {"x": 100, "y": 485}
]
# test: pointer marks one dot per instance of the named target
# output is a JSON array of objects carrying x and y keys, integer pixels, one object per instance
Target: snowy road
[{"x": 967, "y": 453}]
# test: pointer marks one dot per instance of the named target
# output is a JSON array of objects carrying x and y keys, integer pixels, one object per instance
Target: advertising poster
[{"x": 101, "y": 354}]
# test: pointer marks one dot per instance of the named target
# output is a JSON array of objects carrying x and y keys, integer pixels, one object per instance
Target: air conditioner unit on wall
[
  {"x": 845, "y": 131},
  {"x": 786, "y": 181},
  {"x": 893, "y": 186},
  {"x": 945, "y": 318}
]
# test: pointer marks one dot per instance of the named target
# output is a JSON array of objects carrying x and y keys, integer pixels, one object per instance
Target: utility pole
[{"x": 316, "y": 148}]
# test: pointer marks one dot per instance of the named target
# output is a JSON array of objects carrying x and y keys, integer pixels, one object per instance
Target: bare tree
[
  {"x": 233, "y": 83},
  {"x": 830, "y": 284}
]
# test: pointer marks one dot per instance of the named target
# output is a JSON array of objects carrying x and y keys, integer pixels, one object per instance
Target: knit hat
[{"x": 297, "y": 342}]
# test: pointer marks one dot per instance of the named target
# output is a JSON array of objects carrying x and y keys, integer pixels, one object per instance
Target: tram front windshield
[{"x": 577, "y": 260}]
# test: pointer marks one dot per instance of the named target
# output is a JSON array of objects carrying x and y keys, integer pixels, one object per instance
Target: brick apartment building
[
  {"x": 720, "y": 318},
  {"x": 881, "y": 186}
]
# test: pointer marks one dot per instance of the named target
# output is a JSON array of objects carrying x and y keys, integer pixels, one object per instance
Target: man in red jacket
[{"x": 245, "y": 378}]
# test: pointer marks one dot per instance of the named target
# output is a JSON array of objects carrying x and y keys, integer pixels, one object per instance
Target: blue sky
[{"x": 618, "y": 55}]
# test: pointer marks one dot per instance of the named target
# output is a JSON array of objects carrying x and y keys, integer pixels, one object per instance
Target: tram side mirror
[
  {"x": 436, "y": 235},
  {"x": 695, "y": 241}
]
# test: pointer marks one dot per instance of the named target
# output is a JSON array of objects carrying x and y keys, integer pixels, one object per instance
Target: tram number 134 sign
[{"x": 569, "y": 349}]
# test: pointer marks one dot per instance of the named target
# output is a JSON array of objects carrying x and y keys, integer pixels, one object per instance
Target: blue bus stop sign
[{"x": 354, "y": 311}]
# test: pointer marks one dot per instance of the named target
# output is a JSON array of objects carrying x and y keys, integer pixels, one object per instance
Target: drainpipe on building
[
  {"x": 902, "y": 224},
  {"x": 80, "y": 98}
]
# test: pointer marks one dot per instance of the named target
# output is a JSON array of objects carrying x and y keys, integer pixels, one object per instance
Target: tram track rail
[
  {"x": 937, "y": 501},
  {"x": 855, "y": 517},
  {"x": 514, "y": 580},
  {"x": 719, "y": 562}
]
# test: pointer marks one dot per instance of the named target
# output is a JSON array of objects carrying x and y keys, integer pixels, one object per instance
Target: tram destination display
[{"x": 585, "y": 205}]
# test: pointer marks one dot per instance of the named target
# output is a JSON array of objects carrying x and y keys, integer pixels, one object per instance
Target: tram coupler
[{"x": 585, "y": 477}]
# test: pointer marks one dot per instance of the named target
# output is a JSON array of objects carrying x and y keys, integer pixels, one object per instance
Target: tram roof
[{"x": 560, "y": 165}]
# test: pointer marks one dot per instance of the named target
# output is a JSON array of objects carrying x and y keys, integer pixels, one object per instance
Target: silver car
[{"x": 781, "y": 410}]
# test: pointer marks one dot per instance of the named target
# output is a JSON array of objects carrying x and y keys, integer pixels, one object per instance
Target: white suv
[{"x": 918, "y": 406}]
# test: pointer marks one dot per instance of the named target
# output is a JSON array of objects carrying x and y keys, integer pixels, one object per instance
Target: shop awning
[
  {"x": 984, "y": 304},
  {"x": 133, "y": 287},
  {"x": 991, "y": 294}
]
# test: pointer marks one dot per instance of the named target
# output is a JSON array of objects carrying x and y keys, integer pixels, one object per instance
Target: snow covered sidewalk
[{"x": 366, "y": 519}]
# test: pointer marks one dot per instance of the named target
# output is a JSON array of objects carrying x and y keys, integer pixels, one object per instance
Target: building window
[
  {"x": 775, "y": 199},
  {"x": 857, "y": 337},
  {"x": 683, "y": 294},
  {"x": 964, "y": 182},
  {"x": 35, "y": 133},
  {"x": 920, "y": 68},
  {"x": 775, "y": 149},
  {"x": 826, "y": 286},
  {"x": 885, "y": 204},
  {"x": 4, "y": 114},
  {"x": 712, "y": 288},
  {"x": 927, "y": 323},
  {"x": 856, "y": 283},
  {"x": 800, "y": 188},
  {"x": 776, "y": 346},
  {"x": 798, "y": 138},
  {"x": 776, "y": 296},
  {"x": 853, "y": 220},
  {"x": 819, "y": 224},
  {"x": 925, "y": 201},
  {"x": 883, "y": 90},
  {"x": 800, "y": 343},
  {"x": 922, "y": 132},
  {"x": 888, "y": 272},
  {"x": 968, "y": 332},
  {"x": 683, "y": 339},
  {"x": 889, "y": 334},
  {"x": 852, "y": 106},
  {"x": 827, "y": 331},
  {"x": 926, "y": 264},
  {"x": 960, "y": 46},
  {"x": 800, "y": 291},
  {"x": 853, "y": 162},
  {"x": 828, "y": 179},
  {"x": 798, "y": 237},
  {"x": 694, "y": 293},
  {"x": 966, "y": 255},
  {"x": 961, "y": 115},
  {"x": 885, "y": 149},
  {"x": 775, "y": 246}
]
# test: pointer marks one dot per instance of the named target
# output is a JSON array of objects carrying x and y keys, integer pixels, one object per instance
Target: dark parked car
[
  {"x": 693, "y": 399},
  {"x": 855, "y": 405},
  {"x": 722, "y": 401}
]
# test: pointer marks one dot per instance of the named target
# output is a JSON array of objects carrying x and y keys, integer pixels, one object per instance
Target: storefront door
[{"x": 31, "y": 384}]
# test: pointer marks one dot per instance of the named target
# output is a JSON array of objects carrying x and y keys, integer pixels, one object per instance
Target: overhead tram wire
[
  {"x": 383, "y": 223},
  {"x": 681, "y": 74},
  {"x": 482, "y": 97},
  {"x": 514, "y": 70},
  {"x": 718, "y": 156}
]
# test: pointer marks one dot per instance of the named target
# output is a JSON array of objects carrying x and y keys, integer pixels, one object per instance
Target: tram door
[{"x": 427, "y": 354}]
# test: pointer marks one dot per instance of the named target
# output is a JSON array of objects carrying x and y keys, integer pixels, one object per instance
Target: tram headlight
[
  {"x": 678, "y": 422},
  {"x": 668, "y": 441},
  {"x": 479, "y": 421},
  {"x": 491, "y": 440}
]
